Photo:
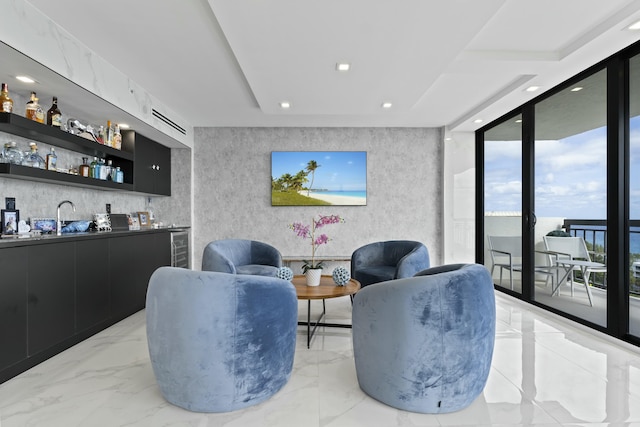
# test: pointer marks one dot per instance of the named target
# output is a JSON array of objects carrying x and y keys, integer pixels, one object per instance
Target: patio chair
[
  {"x": 573, "y": 249},
  {"x": 506, "y": 253}
]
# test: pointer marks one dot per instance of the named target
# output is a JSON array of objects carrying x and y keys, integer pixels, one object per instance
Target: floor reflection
[{"x": 546, "y": 371}]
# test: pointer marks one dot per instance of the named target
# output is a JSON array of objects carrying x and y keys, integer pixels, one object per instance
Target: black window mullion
[
  {"x": 617, "y": 198},
  {"x": 528, "y": 195}
]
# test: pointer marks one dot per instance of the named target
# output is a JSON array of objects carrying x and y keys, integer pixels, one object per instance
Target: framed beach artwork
[{"x": 317, "y": 178}]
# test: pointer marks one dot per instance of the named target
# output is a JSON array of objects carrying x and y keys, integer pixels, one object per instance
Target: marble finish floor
[{"x": 545, "y": 372}]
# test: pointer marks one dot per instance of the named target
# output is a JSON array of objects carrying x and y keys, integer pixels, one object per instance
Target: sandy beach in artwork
[{"x": 335, "y": 200}]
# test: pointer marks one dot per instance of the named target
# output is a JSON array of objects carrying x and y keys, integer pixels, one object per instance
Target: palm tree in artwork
[
  {"x": 312, "y": 165},
  {"x": 298, "y": 180},
  {"x": 286, "y": 180}
]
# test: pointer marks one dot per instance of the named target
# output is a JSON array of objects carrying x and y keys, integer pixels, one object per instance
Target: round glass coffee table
[{"x": 326, "y": 289}]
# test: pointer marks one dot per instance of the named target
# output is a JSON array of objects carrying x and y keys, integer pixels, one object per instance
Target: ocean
[
  {"x": 360, "y": 194},
  {"x": 634, "y": 236}
]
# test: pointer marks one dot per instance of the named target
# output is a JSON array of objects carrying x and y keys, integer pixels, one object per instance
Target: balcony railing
[{"x": 594, "y": 233}]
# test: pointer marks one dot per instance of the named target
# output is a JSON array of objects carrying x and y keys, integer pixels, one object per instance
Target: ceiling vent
[{"x": 168, "y": 121}]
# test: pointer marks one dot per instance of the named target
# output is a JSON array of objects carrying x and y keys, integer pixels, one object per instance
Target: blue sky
[
  {"x": 338, "y": 171},
  {"x": 570, "y": 175}
]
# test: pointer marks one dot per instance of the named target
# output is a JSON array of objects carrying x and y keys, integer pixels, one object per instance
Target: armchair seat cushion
[
  {"x": 377, "y": 273},
  {"x": 393, "y": 259},
  {"x": 257, "y": 270},
  {"x": 241, "y": 256}
]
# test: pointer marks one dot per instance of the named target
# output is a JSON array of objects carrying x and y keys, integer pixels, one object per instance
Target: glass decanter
[{"x": 33, "y": 159}]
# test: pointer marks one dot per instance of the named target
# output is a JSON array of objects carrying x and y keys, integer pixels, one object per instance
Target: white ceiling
[{"x": 440, "y": 62}]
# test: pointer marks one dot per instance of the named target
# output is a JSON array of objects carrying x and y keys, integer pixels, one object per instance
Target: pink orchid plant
[{"x": 309, "y": 232}]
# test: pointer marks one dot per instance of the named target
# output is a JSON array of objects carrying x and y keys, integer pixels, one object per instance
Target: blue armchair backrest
[{"x": 217, "y": 341}]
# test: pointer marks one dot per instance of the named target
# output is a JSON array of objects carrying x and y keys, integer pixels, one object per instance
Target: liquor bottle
[
  {"x": 101, "y": 135},
  {"x": 6, "y": 103},
  {"x": 84, "y": 167},
  {"x": 104, "y": 170},
  {"x": 33, "y": 159},
  {"x": 119, "y": 175},
  {"x": 54, "y": 116},
  {"x": 109, "y": 132},
  {"x": 34, "y": 110},
  {"x": 94, "y": 169},
  {"x": 52, "y": 159},
  {"x": 117, "y": 138},
  {"x": 12, "y": 154},
  {"x": 111, "y": 171}
]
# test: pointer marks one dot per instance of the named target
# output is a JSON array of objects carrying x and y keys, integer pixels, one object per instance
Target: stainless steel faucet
[{"x": 58, "y": 222}]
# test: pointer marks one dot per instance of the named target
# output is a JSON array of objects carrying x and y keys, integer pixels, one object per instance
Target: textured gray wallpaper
[{"x": 232, "y": 174}]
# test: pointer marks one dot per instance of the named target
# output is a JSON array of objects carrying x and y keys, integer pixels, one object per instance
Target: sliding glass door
[
  {"x": 561, "y": 184},
  {"x": 503, "y": 203},
  {"x": 570, "y": 199},
  {"x": 634, "y": 196}
]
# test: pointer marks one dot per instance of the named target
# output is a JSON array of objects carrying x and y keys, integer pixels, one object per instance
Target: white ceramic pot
[{"x": 313, "y": 276}]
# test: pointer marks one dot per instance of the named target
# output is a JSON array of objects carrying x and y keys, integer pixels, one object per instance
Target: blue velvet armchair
[
  {"x": 393, "y": 259},
  {"x": 424, "y": 344},
  {"x": 219, "y": 342},
  {"x": 240, "y": 256}
]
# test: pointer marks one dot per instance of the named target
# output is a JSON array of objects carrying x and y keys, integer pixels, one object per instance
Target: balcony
[{"x": 594, "y": 233}]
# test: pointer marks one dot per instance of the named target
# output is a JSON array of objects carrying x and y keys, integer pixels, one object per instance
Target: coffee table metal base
[
  {"x": 326, "y": 290},
  {"x": 319, "y": 322}
]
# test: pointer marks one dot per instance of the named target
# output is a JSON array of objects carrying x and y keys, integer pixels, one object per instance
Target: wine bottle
[{"x": 54, "y": 116}]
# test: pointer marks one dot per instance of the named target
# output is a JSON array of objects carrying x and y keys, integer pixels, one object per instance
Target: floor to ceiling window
[
  {"x": 570, "y": 198},
  {"x": 634, "y": 195},
  {"x": 565, "y": 186},
  {"x": 503, "y": 203}
]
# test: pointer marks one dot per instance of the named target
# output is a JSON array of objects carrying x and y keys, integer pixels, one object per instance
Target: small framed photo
[
  {"x": 134, "y": 224},
  {"x": 10, "y": 218},
  {"x": 45, "y": 225},
  {"x": 143, "y": 219}
]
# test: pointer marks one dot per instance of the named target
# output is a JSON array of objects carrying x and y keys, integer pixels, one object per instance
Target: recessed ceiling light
[
  {"x": 123, "y": 126},
  {"x": 387, "y": 105},
  {"x": 285, "y": 105},
  {"x": 519, "y": 121},
  {"x": 343, "y": 66},
  {"x": 477, "y": 121},
  {"x": 634, "y": 26},
  {"x": 532, "y": 88},
  {"x": 576, "y": 89},
  {"x": 25, "y": 79}
]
